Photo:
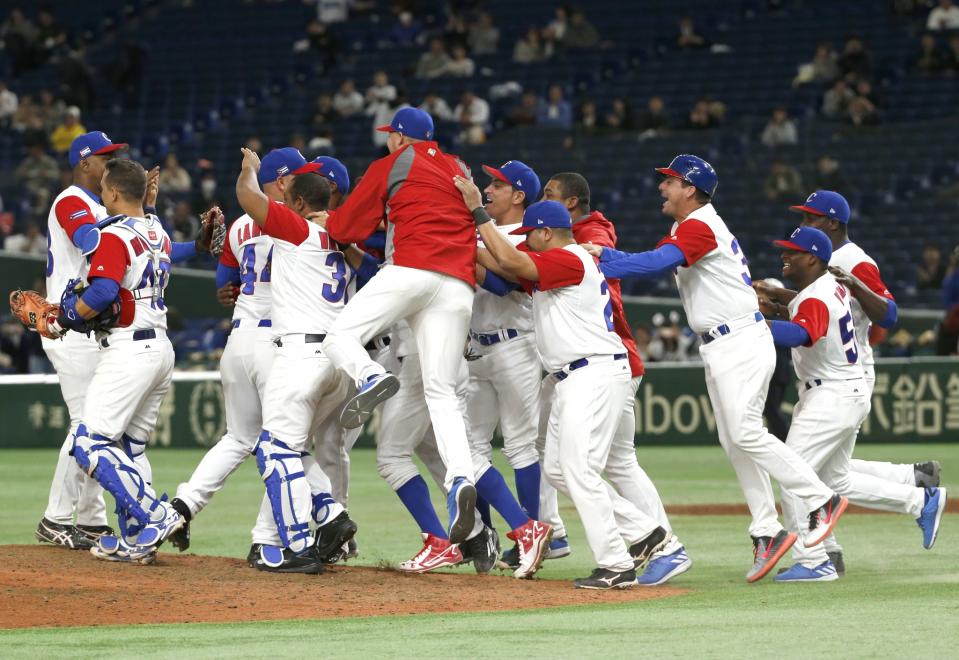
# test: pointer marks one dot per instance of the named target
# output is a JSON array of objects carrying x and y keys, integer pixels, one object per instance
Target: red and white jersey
[
  {"x": 135, "y": 252},
  {"x": 514, "y": 310},
  {"x": 72, "y": 208},
  {"x": 714, "y": 285},
  {"x": 572, "y": 310},
  {"x": 309, "y": 276},
  {"x": 823, "y": 309},
  {"x": 250, "y": 250},
  {"x": 853, "y": 259}
]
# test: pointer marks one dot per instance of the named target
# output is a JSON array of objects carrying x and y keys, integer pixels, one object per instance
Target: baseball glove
[
  {"x": 212, "y": 232},
  {"x": 33, "y": 311}
]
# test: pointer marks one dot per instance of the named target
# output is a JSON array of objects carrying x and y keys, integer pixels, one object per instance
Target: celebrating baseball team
[{"x": 453, "y": 311}]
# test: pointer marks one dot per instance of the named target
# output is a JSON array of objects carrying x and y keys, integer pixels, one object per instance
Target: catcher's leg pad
[
  {"x": 287, "y": 490},
  {"x": 271, "y": 555},
  {"x": 325, "y": 508}
]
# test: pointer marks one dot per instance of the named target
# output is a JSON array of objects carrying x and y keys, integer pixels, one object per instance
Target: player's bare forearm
[
  {"x": 248, "y": 193},
  {"x": 774, "y": 293},
  {"x": 875, "y": 306}
]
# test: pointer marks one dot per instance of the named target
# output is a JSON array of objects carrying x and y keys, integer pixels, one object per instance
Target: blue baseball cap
[
  {"x": 281, "y": 162},
  {"x": 808, "y": 239},
  {"x": 411, "y": 122},
  {"x": 94, "y": 143},
  {"x": 517, "y": 174},
  {"x": 544, "y": 214},
  {"x": 335, "y": 171},
  {"x": 826, "y": 204}
]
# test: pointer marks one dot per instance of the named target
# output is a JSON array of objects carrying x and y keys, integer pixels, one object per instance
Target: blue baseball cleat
[
  {"x": 931, "y": 515},
  {"x": 663, "y": 568},
  {"x": 461, "y": 503},
  {"x": 373, "y": 392},
  {"x": 825, "y": 572},
  {"x": 558, "y": 547}
]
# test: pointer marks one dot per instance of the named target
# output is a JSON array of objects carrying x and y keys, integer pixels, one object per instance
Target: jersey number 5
[{"x": 848, "y": 336}]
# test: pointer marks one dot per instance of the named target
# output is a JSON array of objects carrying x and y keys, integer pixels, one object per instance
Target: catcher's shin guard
[{"x": 287, "y": 490}]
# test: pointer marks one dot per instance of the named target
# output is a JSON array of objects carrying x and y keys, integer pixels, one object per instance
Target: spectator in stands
[
  {"x": 185, "y": 224},
  {"x": 620, "y": 115},
  {"x": 654, "y": 119},
  {"x": 126, "y": 72},
  {"x": 780, "y": 129},
  {"x": 670, "y": 341},
  {"x": 580, "y": 33},
  {"x": 205, "y": 194},
  {"x": 862, "y": 112},
  {"x": 524, "y": 114},
  {"x": 483, "y": 37},
  {"x": 407, "y": 31},
  {"x": 949, "y": 328},
  {"x": 855, "y": 63},
  {"x": 432, "y": 64},
  {"x": 643, "y": 337},
  {"x": 382, "y": 113},
  {"x": 930, "y": 58},
  {"x": 37, "y": 173},
  {"x": 333, "y": 11},
  {"x": 71, "y": 128},
  {"x": 297, "y": 141},
  {"x": 829, "y": 176},
  {"x": 320, "y": 44},
  {"x": 35, "y": 133},
  {"x": 555, "y": 30},
  {"x": 31, "y": 241},
  {"x": 835, "y": 102},
  {"x": 11, "y": 334},
  {"x": 19, "y": 36},
  {"x": 701, "y": 116},
  {"x": 460, "y": 65},
  {"x": 932, "y": 270},
  {"x": 952, "y": 54},
  {"x": 50, "y": 109},
  {"x": 26, "y": 110},
  {"x": 381, "y": 90},
  {"x": 321, "y": 143},
  {"x": 823, "y": 68},
  {"x": 434, "y": 104},
  {"x": 689, "y": 37},
  {"x": 76, "y": 79},
  {"x": 8, "y": 105},
  {"x": 554, "y": 110},
  {"x": 173, "y": 177},
  {"x": 347, "y": 101},
  {"x": 325, "y": 114},
  {"x": 50, "y": 35},
  {"x": 472, "y": 113},
  {"x": 588, "y": 119},
  {"x": 532, "y": 48},
  {"x": 456, "y": 32},
  {"x": 783, "y": 182},
  {"x": 945, "y": 16}
]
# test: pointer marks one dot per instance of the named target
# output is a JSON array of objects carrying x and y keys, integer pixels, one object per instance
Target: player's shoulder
[{"x": 849, "y": 255}]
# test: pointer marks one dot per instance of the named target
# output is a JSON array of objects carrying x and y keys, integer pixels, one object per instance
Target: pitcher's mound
[{"x": 48, "y": 586}]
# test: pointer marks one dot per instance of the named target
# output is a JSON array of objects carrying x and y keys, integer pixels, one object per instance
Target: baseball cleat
[
  {"x": 155, "y": 533},
  {"x": 331, "y": 537},
  {"x": 532, "y": 540},
  {"x": 644, "y": 549},
  {"x": 436, "y": 553},
  {"x": 374, "y": 391},
  {"x": 350, "y": 550},
  {"x": 253, "y": 555},
  {"x": 461, "y": 503},
  {"x": 603, "y": 578},
  {"x": 92, "y": 533},
  {"x": 113, "y": 548},
  {"x": 824, "y": 519},
  {"x": 931, "y": 515},
  {"x": 837, "y": 561},
  {"x": 767, "y": 550},
  {"x": 825, "y": 572},
  {"x": 927, "y": 474},
  {"x": 663, "y": 567},
  {"x": 274, "y": 559},
  {"x": 482, "y": 550},
  {"x": 558, "y": 548},
  {"x": 510, "y": 559},
  {"x": 65, "y": 536},
  {"x": 180, "y": 539}
]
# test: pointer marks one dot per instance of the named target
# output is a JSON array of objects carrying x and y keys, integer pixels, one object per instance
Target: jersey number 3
[{"x": 747, "y": 278}]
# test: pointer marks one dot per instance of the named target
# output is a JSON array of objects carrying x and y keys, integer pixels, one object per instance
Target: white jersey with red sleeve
[
  {"x": 853, "y": 259},
  {"x": 135, "y": 252},
  {"x": 714, "y": 285},
  {"x": 72, "y": 208},
  {"x": 572, "y": 310},
  {"x": 309, "y": 275},
  {"x": 250, "y": 250},
  {"x": 512, "y": 311},
  {"x": 823, "y": 309}
]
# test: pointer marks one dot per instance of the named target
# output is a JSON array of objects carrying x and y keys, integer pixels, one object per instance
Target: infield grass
[{"x": 897, "y": 600}]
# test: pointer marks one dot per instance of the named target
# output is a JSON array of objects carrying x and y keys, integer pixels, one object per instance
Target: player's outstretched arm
[
  {"x": 643, "y": 265},
  {"x": 248, "y": 193}
]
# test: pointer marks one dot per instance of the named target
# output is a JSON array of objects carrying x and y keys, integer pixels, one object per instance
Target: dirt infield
[{"x": 46, "y": 586}]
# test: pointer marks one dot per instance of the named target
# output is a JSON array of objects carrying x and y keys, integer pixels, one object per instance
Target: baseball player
[
  {"x": 833, "y": 395},
  {"x": 882, "y": 486},
  {"x": 135, "y": 366},
  {"x": 716, "y": 291},
  {"x": 572, "y": 314},
  {"x": 428, "y": 279},
  {"x": 308, "y": 282}
]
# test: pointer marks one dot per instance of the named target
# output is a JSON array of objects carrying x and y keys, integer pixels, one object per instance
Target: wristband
[{"x": 480, "y": 216}]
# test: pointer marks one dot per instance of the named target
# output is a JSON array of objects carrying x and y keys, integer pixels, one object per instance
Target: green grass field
[{"x": 897, "y": 600}]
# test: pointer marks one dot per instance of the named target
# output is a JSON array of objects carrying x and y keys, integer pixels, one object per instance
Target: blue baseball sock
[
  {"x": 482, "y": 506},
  {"x": 492, "y": 487},
  {"x": 415, "y": 496},
  {"x": 527, "y": 488}
]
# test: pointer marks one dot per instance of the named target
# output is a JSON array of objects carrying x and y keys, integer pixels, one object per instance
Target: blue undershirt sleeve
[
  {"x": 789, "y": 334},
  {"x": 101, "y": 292},
  {"x": 369, "y": 267},
  {"x": 646, "y": 265},
  {"x": 498, "y": 285},
  {"x": 892, "y": 313},
  {"x": 182, "y": 251},
  {"x": 87, "y": 238},
  {"x": 226, "y": 275}
]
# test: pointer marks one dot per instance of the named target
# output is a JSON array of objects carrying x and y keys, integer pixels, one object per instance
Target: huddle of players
[{"x": 297, "y": 351}]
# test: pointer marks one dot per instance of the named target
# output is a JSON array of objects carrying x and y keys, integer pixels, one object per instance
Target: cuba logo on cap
[
  {"x": 282, "y": 170},
  {"x": 811, "y": 198},
  {"x": 86, "y": 151},
  {"x": 795, "y": 233}
]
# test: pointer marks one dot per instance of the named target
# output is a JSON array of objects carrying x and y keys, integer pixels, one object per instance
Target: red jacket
[
  {"x": 595, "y": 228},
  {"x": 429, "y": 226}
]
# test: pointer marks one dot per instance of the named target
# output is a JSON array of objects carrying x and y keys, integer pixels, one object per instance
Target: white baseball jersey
[
  {"x": 572, "y": 310},
  {"x": 250, "y": 250},
  {"x": 853, "y": 259},
  {"x": 714, "y": 285},
  {"x": 136, "y": 253},
  {"x": 309, "y": 277},
  {"x": 823, "y": 309},
  {"x": 512, "y": 311},
  {"x": 72, "y": 208}
]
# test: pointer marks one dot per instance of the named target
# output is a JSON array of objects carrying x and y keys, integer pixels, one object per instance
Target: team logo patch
[
  {"x": 152, "y": 234},
  {"x": 282, "y": 170},
  {"x": 86, "y": 151},
  {"x": 76, "y": 215}
]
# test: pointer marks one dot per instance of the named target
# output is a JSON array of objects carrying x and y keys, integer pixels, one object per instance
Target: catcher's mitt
[
  {"x": 33, "y": 311},
  {"x": 212, "y": 232}
]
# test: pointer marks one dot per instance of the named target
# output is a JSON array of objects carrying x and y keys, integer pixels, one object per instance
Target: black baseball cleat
[
  {"x": 181, "y": 537},
  {"x": 644, "y": 549},
  {"x": 927, "y": 474},
  {"x": 92, "y": 533},
  {"x": 482, "y": 550},
  {"x": 331, "y": 537},
  {"x": 283, "y": 560},
  {"x": 603, "y": 578},
  {"x": 253, "y": 556},
  {"x": 66, "y": 536},
  {"x": 836, "y": 558}
]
